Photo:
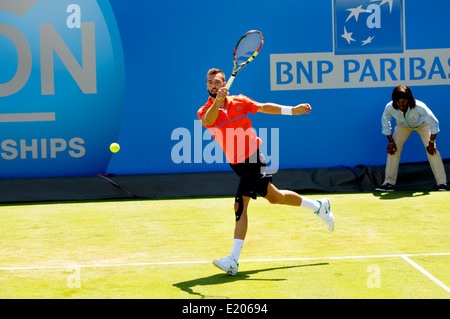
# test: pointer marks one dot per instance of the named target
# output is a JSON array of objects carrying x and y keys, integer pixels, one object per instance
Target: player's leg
[
  {"x": 283, "y": 197},
  {"x": 230, "y": 263},
  {"x": 240, "y": 209},
  {"x": 321, "y": 207},
  {"x": 247, "y": 189}
]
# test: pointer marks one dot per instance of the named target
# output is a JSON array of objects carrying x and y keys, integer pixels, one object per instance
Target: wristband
[
  {"x": 286, "y": 110},
  {"x": 432, "y": 142}
]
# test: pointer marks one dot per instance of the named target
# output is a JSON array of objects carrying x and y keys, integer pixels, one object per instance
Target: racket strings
[{"x": 247, "y": 47}]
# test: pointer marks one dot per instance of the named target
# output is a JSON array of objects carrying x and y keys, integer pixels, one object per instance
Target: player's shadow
[
  {"x": 400, "y": 194},
  {"x": 222, "y": 278}
]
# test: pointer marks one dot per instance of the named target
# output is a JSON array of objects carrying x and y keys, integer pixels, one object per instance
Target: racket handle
[{"x": 230, "y": 81}]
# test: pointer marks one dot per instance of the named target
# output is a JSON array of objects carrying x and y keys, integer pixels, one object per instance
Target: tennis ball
[{"x": 114, "y": 147}]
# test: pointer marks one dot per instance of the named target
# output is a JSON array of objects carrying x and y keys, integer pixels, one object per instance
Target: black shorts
[{"x": 252, "y": 173}]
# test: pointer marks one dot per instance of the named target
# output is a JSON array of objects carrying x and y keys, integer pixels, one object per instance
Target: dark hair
[
  {"x": 214, "y": 72},
  {"x": 403, "y": 92}
]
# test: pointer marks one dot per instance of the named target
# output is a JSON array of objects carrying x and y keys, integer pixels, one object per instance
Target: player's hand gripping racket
[{"x": 245, "y": 51}]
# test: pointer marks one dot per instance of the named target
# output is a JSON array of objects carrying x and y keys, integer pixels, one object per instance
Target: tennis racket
[{"x": 245, "y": 51}]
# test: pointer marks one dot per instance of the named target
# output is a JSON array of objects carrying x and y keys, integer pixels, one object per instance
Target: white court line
[
  {"x": 426, "y": 273},
  {"x": 208, "y": 261}
]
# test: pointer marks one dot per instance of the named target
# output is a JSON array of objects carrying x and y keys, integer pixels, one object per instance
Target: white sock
[
  {"x": 310, "y": 204},
  {"x": 237, "y": 247}
]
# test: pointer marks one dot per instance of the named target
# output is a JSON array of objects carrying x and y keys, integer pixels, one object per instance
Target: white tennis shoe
[
  {"x": 227, "y": 264},
  {"x": 325, "y": 214}
]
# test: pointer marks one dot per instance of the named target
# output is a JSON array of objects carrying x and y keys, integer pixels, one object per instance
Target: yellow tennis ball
[{"x": 114, "y": 147}]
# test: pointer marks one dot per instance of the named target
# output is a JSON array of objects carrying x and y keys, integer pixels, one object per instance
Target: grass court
[{"x": 385, "y": 245}]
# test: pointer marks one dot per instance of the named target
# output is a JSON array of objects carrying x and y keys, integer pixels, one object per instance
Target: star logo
[
  {"x": 367, "y": 41},
  {"x": 355, "y": 12},
  {"x": 383, "y": 2},
  {"x": 347, "y": 36},
  {"x": 368, "y": 26}
]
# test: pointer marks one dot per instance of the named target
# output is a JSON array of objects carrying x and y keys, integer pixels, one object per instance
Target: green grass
[{"x": 116, "y": 249}]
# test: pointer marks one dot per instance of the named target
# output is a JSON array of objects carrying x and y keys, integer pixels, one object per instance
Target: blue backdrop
[{"x": 152, "y": 59}]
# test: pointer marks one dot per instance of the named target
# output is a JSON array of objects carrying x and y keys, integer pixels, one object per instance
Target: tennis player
[{"x": 226, "y": 118}]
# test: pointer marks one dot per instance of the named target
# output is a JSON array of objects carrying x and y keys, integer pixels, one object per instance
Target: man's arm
[
  {"x": 211, "y": 114},
  {"x": 273, "y": 108},
  {"x": 391, "y": 148},
  {"x": 432, "y": 123},
  {"x": 387, "y": 129},
  {"x": 431, "y": 147}
]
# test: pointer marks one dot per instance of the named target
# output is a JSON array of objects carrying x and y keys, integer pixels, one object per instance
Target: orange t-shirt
[{"x": 233, "y": 129}]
